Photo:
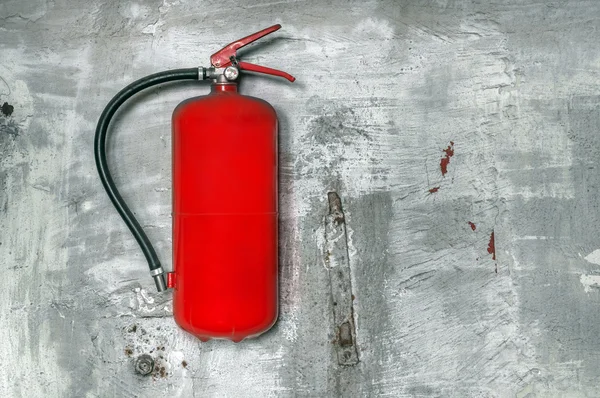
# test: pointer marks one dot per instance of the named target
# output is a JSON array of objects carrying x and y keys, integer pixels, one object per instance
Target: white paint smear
[
  {"x": 593, "y": 257},
  {"x": 589, "y": 282}
]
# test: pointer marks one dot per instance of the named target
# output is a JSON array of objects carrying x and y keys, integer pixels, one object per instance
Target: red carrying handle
[{"x": 227, "y": 55}]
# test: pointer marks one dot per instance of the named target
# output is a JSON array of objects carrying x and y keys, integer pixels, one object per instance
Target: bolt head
[
  {"x": 231, "y": 73},
  {"x": 144, "y": 364}
]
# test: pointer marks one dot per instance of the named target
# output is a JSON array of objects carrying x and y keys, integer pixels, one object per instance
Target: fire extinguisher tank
[
  {"x": 225, "y": 215},
  {"x": 224, "y": 199}
]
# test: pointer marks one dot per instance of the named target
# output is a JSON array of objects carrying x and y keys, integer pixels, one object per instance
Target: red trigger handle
[
  {"x": 223, "y": 58},
  {"x": 265, "y": 70}
]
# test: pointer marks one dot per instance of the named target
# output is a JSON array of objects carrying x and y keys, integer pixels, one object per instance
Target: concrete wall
[{"x": 423, "y": 116}]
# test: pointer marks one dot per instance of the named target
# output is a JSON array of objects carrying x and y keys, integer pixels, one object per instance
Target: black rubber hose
[{"x": 102, "y": 165}]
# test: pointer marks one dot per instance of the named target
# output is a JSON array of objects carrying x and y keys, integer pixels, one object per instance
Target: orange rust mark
[
  {"x": 473, "y": 226},
  {"x": 434, "y": 189},
  {"x": 445, "y": 161}
]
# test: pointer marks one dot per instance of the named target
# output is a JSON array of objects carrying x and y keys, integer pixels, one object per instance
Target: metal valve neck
[
  {"x": 224, "y": 79},
  {"x": 221, "y": 75}
]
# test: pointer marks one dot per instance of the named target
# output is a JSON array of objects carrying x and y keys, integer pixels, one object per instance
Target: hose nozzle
[{"x": 159, "y": 279}]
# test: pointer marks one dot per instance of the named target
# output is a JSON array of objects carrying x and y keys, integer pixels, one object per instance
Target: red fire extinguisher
[{"x": 224, "y": 200}]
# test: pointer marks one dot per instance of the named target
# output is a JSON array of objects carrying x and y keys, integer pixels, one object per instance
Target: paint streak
[
  {"x": 473, "y": 226},
  {"x": 7, "y": 109},
  {"x": 492, "y": 248},
  {"x": 434, "y": 189},
  {"x": 445, "y": 161}
]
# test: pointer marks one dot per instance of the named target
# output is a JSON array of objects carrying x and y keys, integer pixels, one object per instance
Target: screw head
[
  {"x": 144, "y": 364},
  {"x": 231, "y": 73}
]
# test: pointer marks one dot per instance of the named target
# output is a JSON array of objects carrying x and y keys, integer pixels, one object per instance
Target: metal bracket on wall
[{"x": 338, "y": 264}]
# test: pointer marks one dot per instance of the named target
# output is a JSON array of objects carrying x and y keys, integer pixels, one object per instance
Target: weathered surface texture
[{"x": 437, "y": 123}]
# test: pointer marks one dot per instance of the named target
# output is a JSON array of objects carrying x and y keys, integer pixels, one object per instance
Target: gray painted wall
[{"x": 383, "y": 89}]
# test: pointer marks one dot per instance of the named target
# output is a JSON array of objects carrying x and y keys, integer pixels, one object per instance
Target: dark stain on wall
[
  {"x": 9, "y": 127},
  {"x": 7, "y": 109},
  {"x": 7, "y": 124}
]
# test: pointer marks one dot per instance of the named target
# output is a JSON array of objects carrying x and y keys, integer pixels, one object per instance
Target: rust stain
[
  {"x": 184, "y": 364},
  {"x": 434, "y": 189},
  {"x": 159, "y": 371},
  {"x": 128, "y": 351},
  {"x": 492, "y": 249},
  {"x": 445, "y": 161},
  {"x": 473, "y": 226},
  {"x": 345, "y": 335},
  {"x": 335, "y": 207}
]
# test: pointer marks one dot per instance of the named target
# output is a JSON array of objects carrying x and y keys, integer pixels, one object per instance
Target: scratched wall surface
[{"x": 461, "y": 139}]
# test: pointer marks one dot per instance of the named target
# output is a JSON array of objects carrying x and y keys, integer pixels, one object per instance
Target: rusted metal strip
[{"x": 338, "y": 264}]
